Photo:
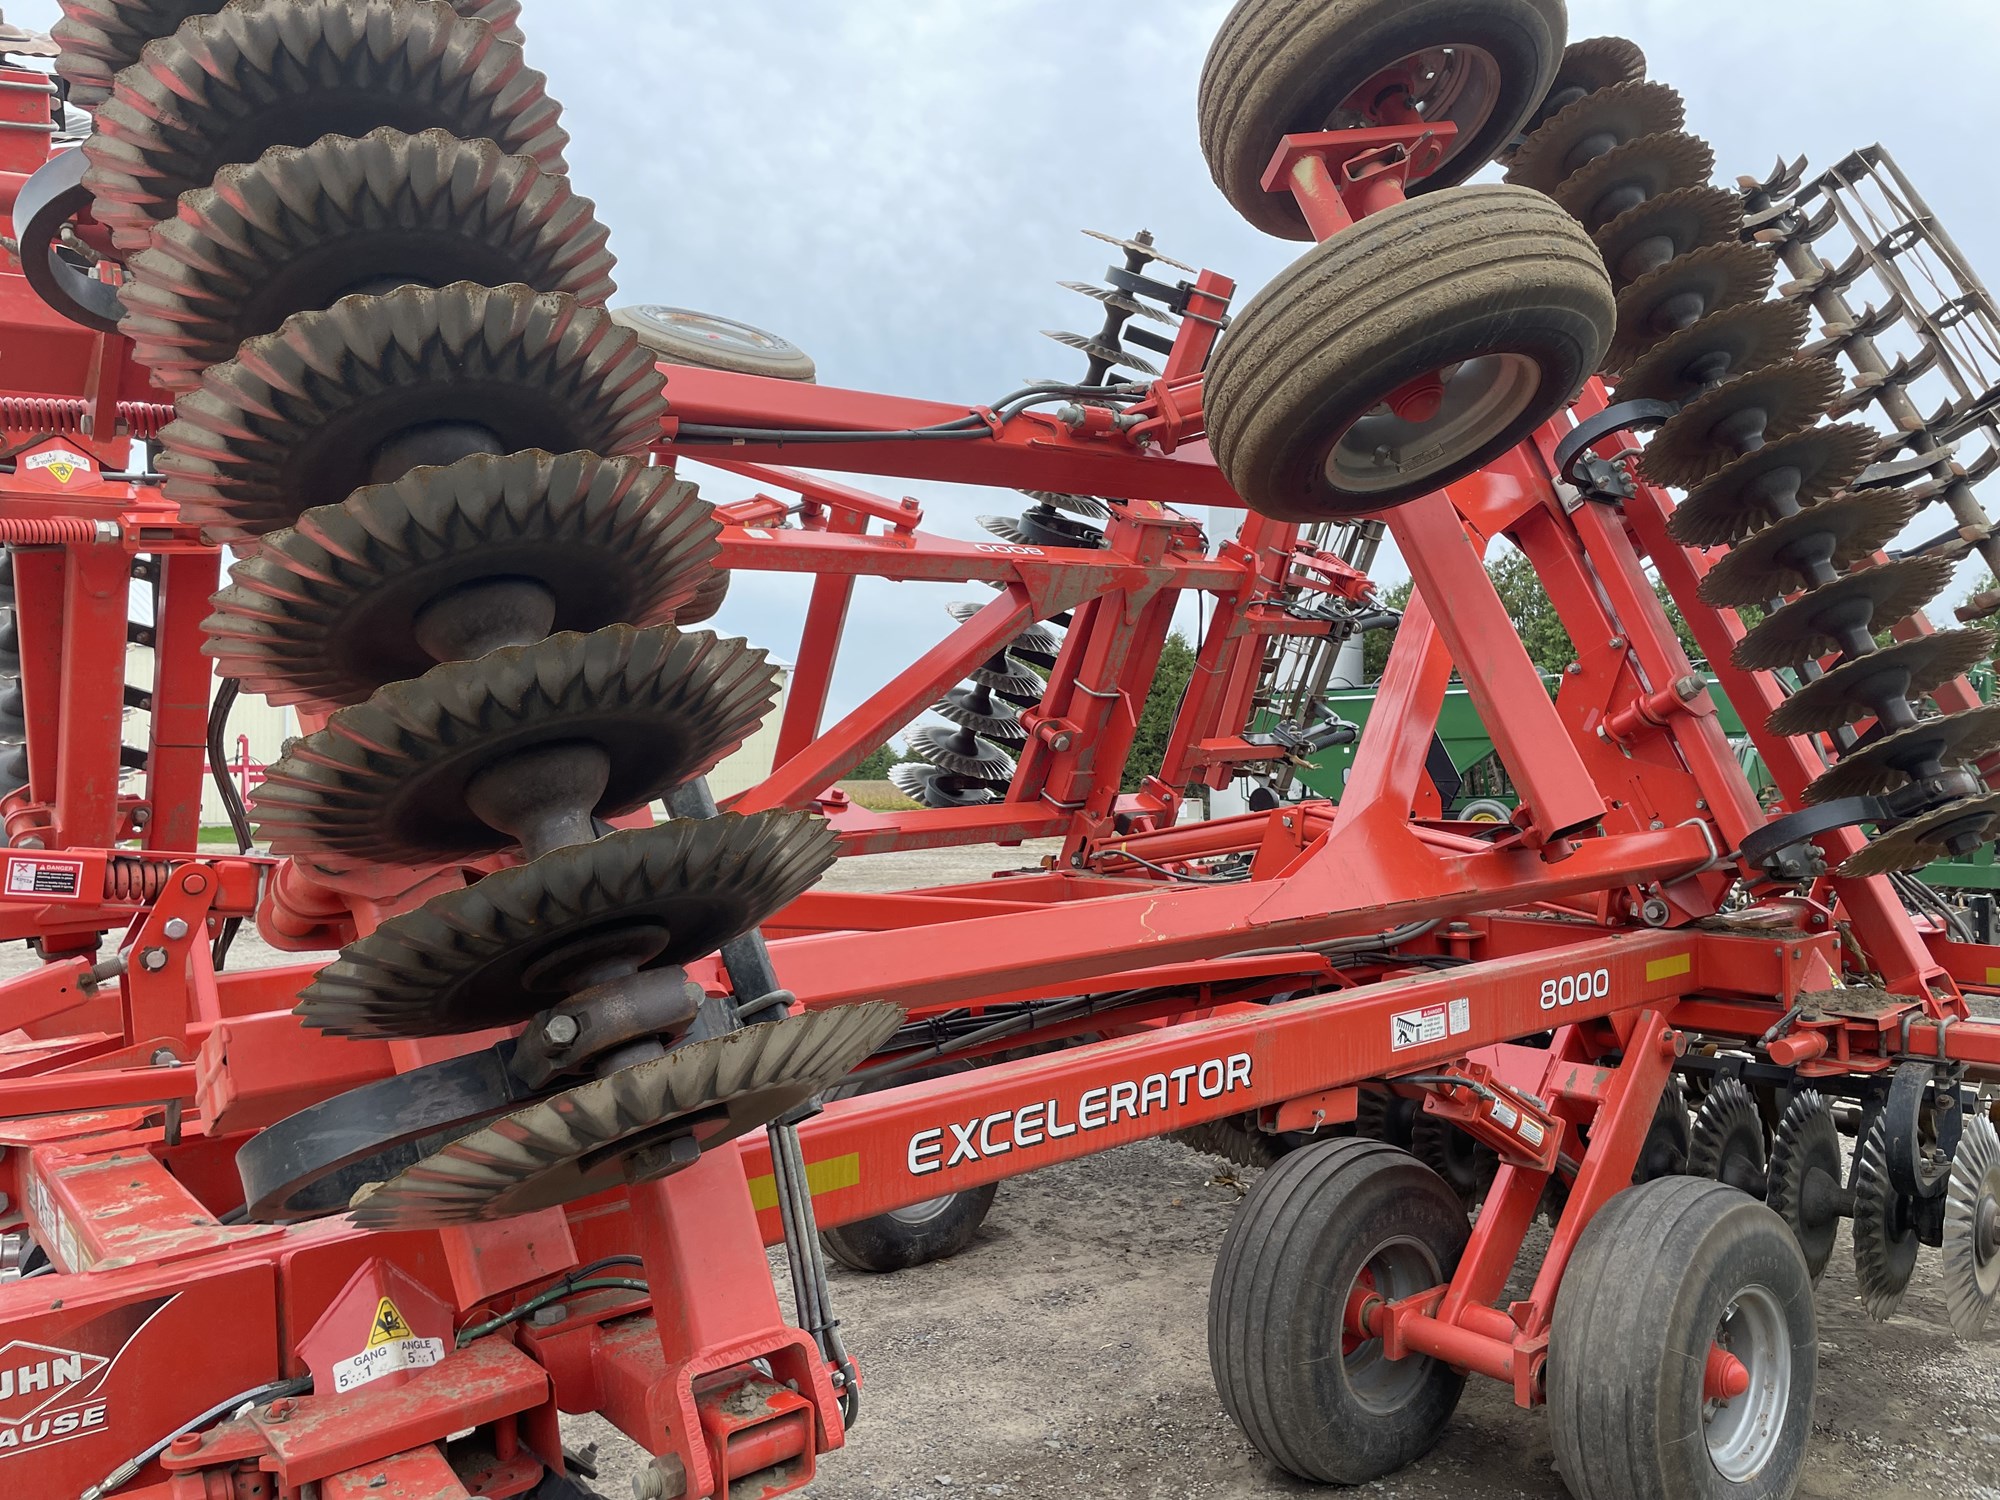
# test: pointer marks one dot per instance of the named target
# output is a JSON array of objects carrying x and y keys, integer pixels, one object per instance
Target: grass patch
[{"x": 877, "y": 796}]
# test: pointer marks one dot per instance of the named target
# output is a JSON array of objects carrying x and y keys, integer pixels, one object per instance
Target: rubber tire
[
  {"x": 1635, "y": 1312},
  {"x": 885, "y": 1243},
  {"x": 1311, "y": 1223},
  {"x": 779, "y": 359},
  {"x": 1476, "y": 270},
  {"x": 1280, "y": 67}
]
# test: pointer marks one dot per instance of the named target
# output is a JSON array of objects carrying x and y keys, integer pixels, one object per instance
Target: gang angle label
[
  {"x": 1029, "y": 1125},
  {"x": 392, "y": 1346}
]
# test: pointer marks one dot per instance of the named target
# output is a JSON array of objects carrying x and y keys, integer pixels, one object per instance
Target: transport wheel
[
  {"x": 1407, "y": 352},
  {"x": 1665, "y": 1274},
  {"x": 1465, "y": 1163},
  {"x": 914, "y": 1235},
  {"x": 1279, "y": 68},
  {"x": 1332, "y": 1221},
  {"x": 917, "y": 1233},
  {"x": 1238, "y": 1140},
  {"x": 682, "y": 337}
]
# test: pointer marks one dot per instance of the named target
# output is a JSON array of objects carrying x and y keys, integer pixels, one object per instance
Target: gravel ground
[{"x": 1064, "y": 1353}]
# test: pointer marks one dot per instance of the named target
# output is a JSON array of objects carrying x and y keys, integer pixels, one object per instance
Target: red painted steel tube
[
  {"x": 97, "y": 589},
  {"x": 182, "y": 676},
  {"x": 1032, "y": 451},
  {"x": 1013, "y": 1117},
  {"x": 819, "y": 646},
  {"x": 854, "y": 738},
  {"x": 1514, "y": 705}
]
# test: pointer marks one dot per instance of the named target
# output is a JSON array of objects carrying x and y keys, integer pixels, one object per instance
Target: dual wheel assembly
[
  {"x": 1433, "y": 327},
  {"x": 1681, "y": 1358}
]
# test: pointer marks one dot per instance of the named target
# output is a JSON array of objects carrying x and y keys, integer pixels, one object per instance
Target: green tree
[
  {"x": 1163, "y": 701},
  {"x": 876, "y": 766}
]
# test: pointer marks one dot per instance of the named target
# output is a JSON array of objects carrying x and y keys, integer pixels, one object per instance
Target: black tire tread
[
  {"x": 883, "y": 1244},
  {"x": 1267, "y": 55},
  {"x": 1625, "y": 1279},
  {"x": 1273, "y": 1231},
  {"x": 1359, "y": 298},
  {"x": 1235, "y": 1141}
]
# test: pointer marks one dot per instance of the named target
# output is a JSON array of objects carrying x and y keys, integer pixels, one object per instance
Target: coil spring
[
  {"x": 46, "y": 531},
  {"x": 140, "y": 880},
  {"x": 64, "y": 414}
]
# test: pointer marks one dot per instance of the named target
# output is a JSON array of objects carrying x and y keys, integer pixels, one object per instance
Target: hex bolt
[
  {"x": 279, "y": 1411},
  {"x": 175, "y": 928},
  {"x": 141, "y": 816},
  {"x": 560, "y": 1031},
  {"x": 548, "y": 1317},
  {"x": 152, "y": 960},
  {"x": 662, "y": 1479},
  {"x": 164, "y": 1058}
]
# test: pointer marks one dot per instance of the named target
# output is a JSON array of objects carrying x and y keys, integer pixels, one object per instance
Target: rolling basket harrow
[{"x": 590, "y": 1042}]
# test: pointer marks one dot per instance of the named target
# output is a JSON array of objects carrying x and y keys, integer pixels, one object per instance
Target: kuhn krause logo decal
[
  {"x": 47, "y": 1394},
  {"x": 50, "y": 1393},
  {"x": 1029, "y": 1125},
  {"x": 63, "y": 464}
]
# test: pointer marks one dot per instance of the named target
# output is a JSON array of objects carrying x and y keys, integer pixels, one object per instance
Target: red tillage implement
[{"x": 365, "y": 1227}]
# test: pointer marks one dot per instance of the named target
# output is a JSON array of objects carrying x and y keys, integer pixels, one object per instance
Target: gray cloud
[{"x": 896, "y": 187}]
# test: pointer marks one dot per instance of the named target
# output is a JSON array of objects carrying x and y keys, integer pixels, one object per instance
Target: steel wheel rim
[
  {"x": 711, "y": 328},
  {"x": 1398, "y": 1268},
  {"x": 1483, "y": 396},
  {"x": 1459, "y": 84},
  {"x": 916, "y": 1215},
  {"x": 1743, "y": 1434}
]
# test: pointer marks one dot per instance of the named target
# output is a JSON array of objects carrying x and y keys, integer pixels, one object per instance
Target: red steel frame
[{"x": 124, "y": 1094}]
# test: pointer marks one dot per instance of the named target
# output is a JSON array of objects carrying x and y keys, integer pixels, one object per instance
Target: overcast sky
[{"x": 897, "y": 187}]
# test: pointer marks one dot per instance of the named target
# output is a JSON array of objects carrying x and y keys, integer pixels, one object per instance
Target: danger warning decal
[
  {"x": 61, "y": 464},
  {"x": 50, "y": 879},
  {"x": 392, "y": 1345},
  {"x": 51, "y": 1392}
]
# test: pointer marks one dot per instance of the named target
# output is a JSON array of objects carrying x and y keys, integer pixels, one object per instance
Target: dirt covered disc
[
  {"x": 1912, "y": 845},
  {"x": 1744, "y": 496},
  {"x": 102, "y": 38},
  {"x": 1644, "y": 238},
  {"x": 960, "y": 753},
  {"x": 374, "y": 386},
  {"x": 329, "y": 610},
  {"x": 1874, "y": 598},
  {"x": 1595, "y": 123},
  {"x": 1841, "y": 531},
  {"x": 1907, "y": 669},
  {"x": 1036, "y": 642},
  {"x": 386, "y": 780},
  {"x": 928, "y": 785},
  {"x": 494, "y": 953},
  {"x": 1725, "y": 342},
  {"x": 975, "y": 708},
  {"x": 1631, "y": 174},
  {"x": 707, "y": 600},
  {"x": 302, "y": 227},
  {"x": 633, "y": 1125},
  {"x": 226, "y": 88},
  {"x": 1896, "y": 759},
  {"x": 1668, "y": 302},
  {"x": 1721, "y": 424},
  {"x": 1595, "y": 62}
]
